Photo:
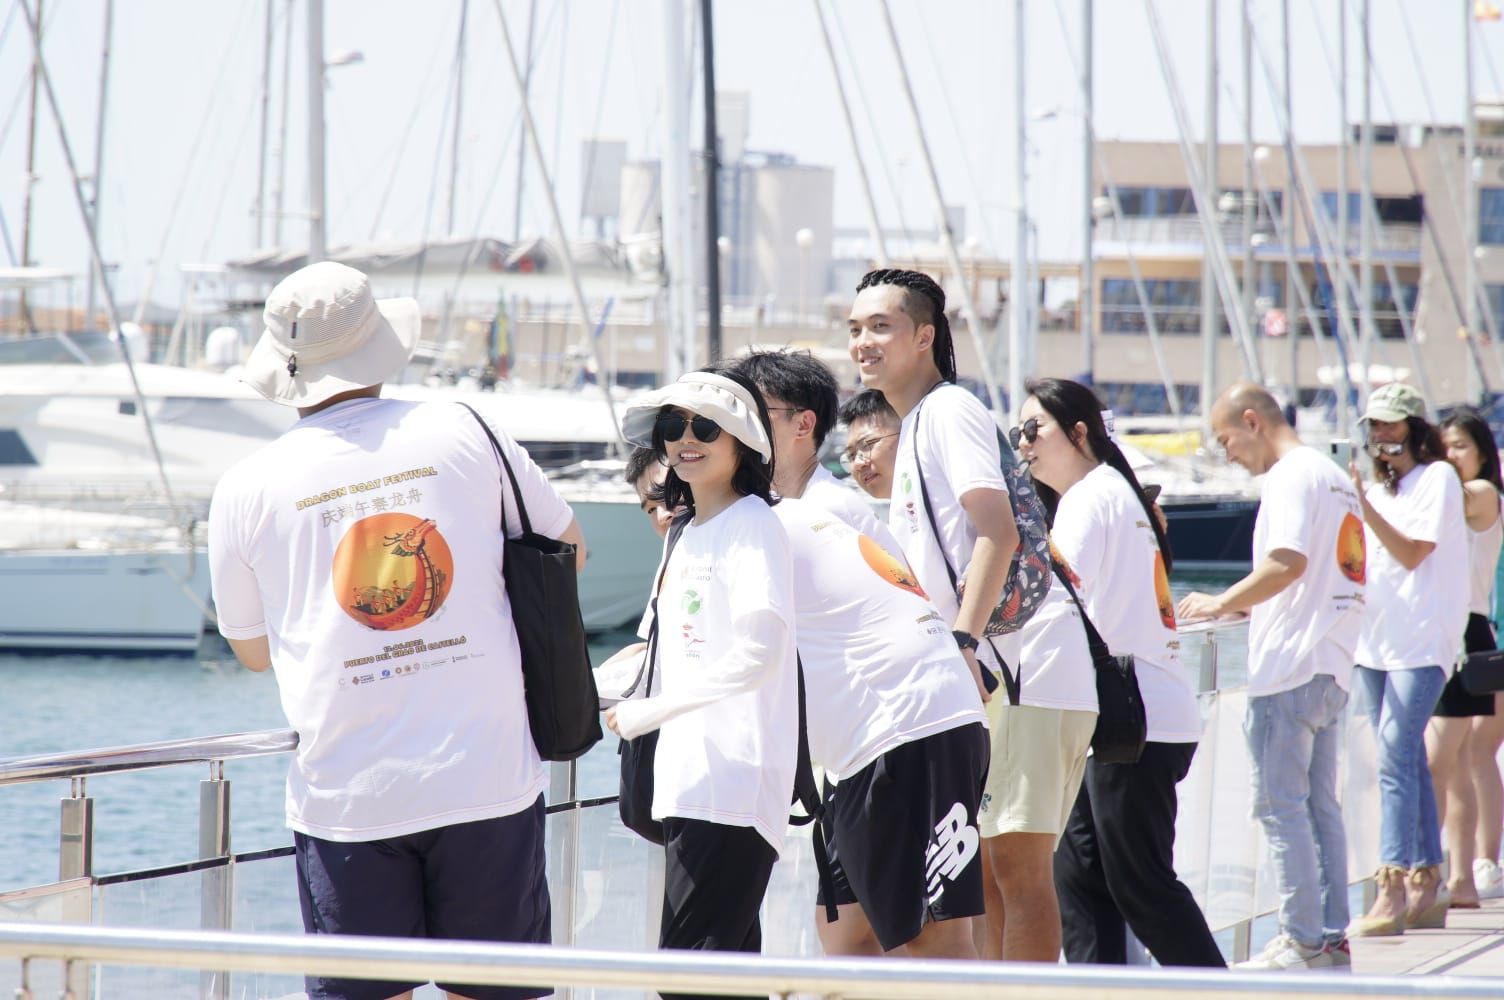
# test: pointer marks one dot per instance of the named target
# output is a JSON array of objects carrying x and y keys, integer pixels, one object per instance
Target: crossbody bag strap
[
  {"x": 649, "y": 661},
  {"x": 527, "y": 524},
  {"x": 1094, "y": 639}
]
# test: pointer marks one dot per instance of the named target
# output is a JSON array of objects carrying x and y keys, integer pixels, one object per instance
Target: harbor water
[{"x": 148, "y": 819}]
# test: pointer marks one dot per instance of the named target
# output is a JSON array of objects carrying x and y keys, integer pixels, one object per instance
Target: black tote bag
[
  {"x": 1122, "y": 724},
  {"x": 634, "y": 801},
  {"x": 563, "y": 706}
]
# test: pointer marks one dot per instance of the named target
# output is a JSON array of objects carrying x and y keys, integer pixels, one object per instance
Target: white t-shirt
[
  {"x": 365, "y": 544},
  {"x": 1311, "y": 627},
  {"x": 725, "y": 697},
  {"x": 880, "y": 666},
  {"x": 958, "y": 448},
  {"x": 1104, "y": 536},
  {"x": 1483, "y": 562},
  {"x": 1416, "y": 618},
  {"x": 844, "y": 501}
]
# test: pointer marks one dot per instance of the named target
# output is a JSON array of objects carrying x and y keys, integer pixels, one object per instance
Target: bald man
[{"x": 1305, "y": 595}]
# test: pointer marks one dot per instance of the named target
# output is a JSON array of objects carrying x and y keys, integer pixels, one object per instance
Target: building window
[
  {"x": 1176, "y": 304},
  {"x": 1491, "y": 216},
  {"x": 1155, "y": 202},
  {"x": 1495, "y": 297},
  {"x": 1402, "y": 211}
]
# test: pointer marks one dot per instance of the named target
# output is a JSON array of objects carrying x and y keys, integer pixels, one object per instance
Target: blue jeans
[
  {"x": 1293, "y": 738},
  {"x": 1399, "y": 703}
]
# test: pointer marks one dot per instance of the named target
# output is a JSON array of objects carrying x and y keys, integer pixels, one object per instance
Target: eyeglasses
[
  {"x": 1027, "y": 431},
  {"x": 671, "y": 427},
  {"x": 862, "y": 450}
]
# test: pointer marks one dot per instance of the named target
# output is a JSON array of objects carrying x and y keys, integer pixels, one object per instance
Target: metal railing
[
  {"x": 538, "y": 965},
  {"x": 215, "y": 860}
]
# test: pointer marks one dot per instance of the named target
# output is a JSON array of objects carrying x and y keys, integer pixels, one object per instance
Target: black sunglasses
[
  {"x": 671, "y": 427},
  {"x": 1027, "y": 431}
]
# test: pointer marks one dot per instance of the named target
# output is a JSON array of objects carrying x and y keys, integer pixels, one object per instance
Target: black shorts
[
  {"x": 905, "y": 832},
  {"x": 1455, "y": 701},
  {"x": 480, "y": 881}
]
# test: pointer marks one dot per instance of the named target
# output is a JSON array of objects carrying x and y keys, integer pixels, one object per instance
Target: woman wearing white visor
[{"x": 725, "y": 696}]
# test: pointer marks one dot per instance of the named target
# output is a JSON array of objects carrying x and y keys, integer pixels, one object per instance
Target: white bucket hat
[
  {"x": 326, "y": 334},
  {"x": 707, "y": 394}
]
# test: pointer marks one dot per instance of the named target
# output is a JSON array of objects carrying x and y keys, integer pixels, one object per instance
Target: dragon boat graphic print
[{"x": 392, "y": 571}]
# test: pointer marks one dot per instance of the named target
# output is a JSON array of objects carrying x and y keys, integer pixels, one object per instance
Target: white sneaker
[
  {"x": 1285, "y": 953},
  {"x": 1489, "y": 879},
  {"x": 1340, "y": 953}
]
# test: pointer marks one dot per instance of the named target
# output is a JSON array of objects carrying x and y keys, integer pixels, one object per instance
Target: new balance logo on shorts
[{"x": 954, "y": 846}]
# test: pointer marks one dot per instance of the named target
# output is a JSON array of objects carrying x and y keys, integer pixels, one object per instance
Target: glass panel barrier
[
  {"x": 67, "y": 902},
  {"x": 171, "y": 902}
]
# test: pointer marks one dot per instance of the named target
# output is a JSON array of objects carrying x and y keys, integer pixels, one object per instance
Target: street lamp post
[{"x": 805, "y": 238}]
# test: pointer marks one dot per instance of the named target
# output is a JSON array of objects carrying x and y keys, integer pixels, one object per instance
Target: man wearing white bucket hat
[{"x": 415, "y": 797}]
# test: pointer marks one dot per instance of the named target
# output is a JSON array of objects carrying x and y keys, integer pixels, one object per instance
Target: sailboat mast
[
  {"x": 712, "y": 191},
  {"x": 266, "y": 109},
  {"x": 1086, "y": 295},
  {"x": 96, "y": 188},
  {"x": 1292, "y": 272},
  {"x": 1249, "y": 202},
  {"x": 1018, "y": 294},
  {"x": 874, "y": 227},
  {"x": 1209, "y": 320},
  {"x": 31, "y": 177},
  {"x": 1365, "y": 223},
  {"x": 277, "y": 195},
  {"x": 942, "y": 224},
  {"x": 680, "y": 332},
  {"x": 459, "y": 104},
  {"x": 527, "y": 84},
  {"x": 317, "y": 233},
  {"x": 1472, "y": 319},
  {"x": 1344, "y": 236}
]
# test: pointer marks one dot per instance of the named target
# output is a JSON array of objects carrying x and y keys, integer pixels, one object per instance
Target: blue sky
[{"x": 183, "y": 122}]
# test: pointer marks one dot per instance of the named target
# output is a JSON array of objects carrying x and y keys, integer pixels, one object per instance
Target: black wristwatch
[{"x": 964, "y": 639}]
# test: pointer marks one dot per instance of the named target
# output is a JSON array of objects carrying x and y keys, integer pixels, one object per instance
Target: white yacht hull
[{"x": 152, "y": 601}]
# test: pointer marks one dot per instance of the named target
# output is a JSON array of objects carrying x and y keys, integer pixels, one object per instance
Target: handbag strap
[
  {"x": 675, "y": 529},
  {"x": 1012, "y": 682},
  {"x": 1094, "y": 641},
  {"x": 527, "y": 524}
]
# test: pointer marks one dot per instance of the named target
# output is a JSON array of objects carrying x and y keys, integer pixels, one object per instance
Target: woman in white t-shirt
[
  {"x": 1465, "y": 733},
  {"x": 1116, "y": 861},
  {"x": 1414, "y": 611},
  {"x": 725, "y": 702}
]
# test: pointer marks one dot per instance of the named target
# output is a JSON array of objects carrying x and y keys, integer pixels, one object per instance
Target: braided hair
[{"x": 924, "y": 303}]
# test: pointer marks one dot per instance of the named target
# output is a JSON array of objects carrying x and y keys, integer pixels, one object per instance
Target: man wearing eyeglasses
[
  {"x": 872, "y": 429},
  {"x": 802, "y": 397}
]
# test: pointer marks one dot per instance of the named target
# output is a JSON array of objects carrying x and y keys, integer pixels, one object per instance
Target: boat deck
[{"x": 1472, "y": 945}]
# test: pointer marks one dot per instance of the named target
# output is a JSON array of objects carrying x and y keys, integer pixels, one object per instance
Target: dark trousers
[
  {"x": 714, "y": 880},
  {"x": 1115, "y": 863}
]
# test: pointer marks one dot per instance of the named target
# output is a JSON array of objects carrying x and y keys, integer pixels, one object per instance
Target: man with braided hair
[{"x": 951, "y": 512}]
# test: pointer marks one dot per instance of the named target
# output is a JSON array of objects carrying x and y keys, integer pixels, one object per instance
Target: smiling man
[
  {"x": 951, "y": 513},
  {"x": 872, "y": 430}
]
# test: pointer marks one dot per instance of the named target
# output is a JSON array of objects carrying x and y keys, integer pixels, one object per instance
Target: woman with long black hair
[
  {"x": 1463, "y": 736},
  {"x": 1116, "y": 860}
]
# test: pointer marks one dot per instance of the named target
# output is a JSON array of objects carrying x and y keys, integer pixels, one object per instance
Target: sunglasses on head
[
  {"x": 671, "y": 427},
  {"x": 1027, "y": 431}
]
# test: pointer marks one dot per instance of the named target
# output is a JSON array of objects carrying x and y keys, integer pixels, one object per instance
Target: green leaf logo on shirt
[
  {"x": 691, "y": 602},
  {"x": 905, "y": 483}
]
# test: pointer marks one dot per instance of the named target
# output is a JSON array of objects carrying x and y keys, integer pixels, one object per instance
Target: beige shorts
[{"x": 1038, "y": 759}]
